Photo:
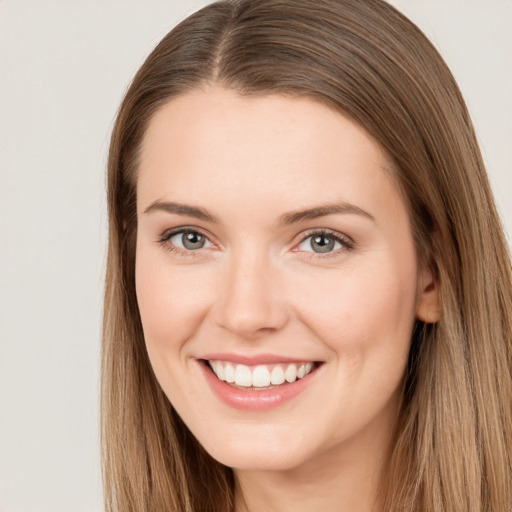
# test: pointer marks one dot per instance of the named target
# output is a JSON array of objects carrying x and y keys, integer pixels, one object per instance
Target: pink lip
[
  {"x": 251, "y": 400},
  {"x": 252, "y": 360}
]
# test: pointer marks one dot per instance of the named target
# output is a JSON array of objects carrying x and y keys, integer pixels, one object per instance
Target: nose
[{"x": 251, "y": 301}]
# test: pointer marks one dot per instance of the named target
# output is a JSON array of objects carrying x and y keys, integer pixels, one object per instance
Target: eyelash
[
  {"x": 347, "y": 244},
  {"x": 163, "y": 241}
]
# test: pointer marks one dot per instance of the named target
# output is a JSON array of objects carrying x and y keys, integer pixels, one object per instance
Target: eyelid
[
  {"x": 346, "y": 242},
  {"x": 168, "y": 233},
  {"x": 164, "y": 238}
]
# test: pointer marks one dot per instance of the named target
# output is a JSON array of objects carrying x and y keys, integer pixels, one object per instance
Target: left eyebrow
[{"x": 323, "y": 210}]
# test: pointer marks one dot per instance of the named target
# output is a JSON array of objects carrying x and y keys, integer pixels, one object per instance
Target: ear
[{"x": 428, "y": 306}]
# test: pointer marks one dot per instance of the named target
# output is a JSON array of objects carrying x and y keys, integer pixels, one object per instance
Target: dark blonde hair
[{"x": 453, "y": 445}]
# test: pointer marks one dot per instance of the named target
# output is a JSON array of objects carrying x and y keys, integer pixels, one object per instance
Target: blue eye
[
  {"x": 188, "y": 240},
  {"x": 322, "y": 243}
]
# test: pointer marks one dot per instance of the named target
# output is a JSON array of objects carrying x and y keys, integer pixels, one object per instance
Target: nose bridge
[{"x": 250, "y": 300}]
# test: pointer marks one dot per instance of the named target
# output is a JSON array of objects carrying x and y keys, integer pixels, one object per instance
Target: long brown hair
[{"x": 453, "y": 448}]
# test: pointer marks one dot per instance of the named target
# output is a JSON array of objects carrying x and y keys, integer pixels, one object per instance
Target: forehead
[{"x": 276, "y": 149}]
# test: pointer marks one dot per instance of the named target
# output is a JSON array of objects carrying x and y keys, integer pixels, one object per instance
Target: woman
[{"x": 308, "y": 287}]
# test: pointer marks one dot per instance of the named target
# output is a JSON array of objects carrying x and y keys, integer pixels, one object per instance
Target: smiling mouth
[{"x": 260, "y": 377}]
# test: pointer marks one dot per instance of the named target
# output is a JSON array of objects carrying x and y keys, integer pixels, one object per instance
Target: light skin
[{"x": 237, "y": 171}]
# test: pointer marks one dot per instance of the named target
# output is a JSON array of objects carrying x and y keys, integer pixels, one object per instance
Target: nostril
[{"x": 251, "y": 321}]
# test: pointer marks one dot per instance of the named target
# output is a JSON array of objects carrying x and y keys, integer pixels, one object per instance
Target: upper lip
[{"x": 254, "y": 359}]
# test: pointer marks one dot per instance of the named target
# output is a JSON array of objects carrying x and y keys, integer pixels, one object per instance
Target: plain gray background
[{"x": 64, "y": 66}]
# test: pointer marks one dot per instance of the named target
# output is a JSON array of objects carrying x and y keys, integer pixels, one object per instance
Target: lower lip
[{"x": 252, "y": 400}]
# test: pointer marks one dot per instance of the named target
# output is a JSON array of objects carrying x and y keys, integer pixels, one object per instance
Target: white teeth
[
  {"x": 229, "y": 373},
  {"x": 259, "y": 376},
  {"x": 219, "y": 370},
  {"x": 243, "y": 375},
  {"x": 277, "y": 375},
  {"x": 291, "y": 373}
]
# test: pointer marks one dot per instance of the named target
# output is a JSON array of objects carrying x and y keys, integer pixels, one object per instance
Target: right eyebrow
[{"x": 182, "y": 209}]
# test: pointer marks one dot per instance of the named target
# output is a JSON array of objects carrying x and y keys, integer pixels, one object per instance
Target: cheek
[
  {"x": 365, "y": 318},
  {"x": 358, "y": 310},
  {"x": 171, "y": 301}
]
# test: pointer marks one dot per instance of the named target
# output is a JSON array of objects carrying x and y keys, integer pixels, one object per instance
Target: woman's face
[{"x": 274, "y": 250}]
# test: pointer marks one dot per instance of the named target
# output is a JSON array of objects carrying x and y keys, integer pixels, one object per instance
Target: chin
[
  {"x": 255, "y": 453},
  {"x": 257, "y": 460}
]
